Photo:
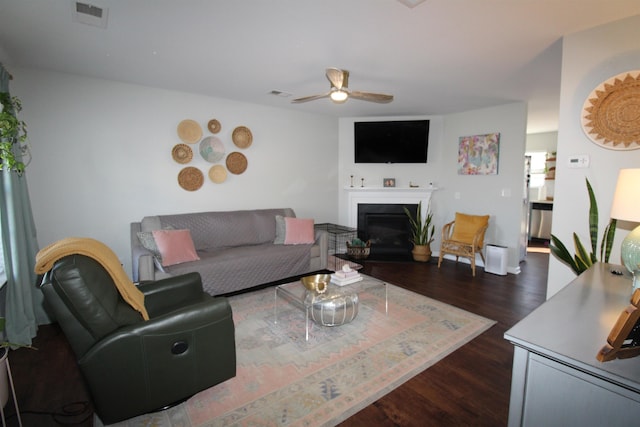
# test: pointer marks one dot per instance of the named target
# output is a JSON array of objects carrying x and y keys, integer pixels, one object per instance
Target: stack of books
[{"x": 345, "y": 277}]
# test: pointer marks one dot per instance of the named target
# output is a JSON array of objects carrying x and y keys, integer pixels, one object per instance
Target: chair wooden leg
[
  {"x": 440, "y": 258},
  {"x": 473, "y": 265}
]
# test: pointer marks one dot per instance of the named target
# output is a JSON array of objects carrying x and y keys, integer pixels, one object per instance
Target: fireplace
[{"x": 388, "y": 229}]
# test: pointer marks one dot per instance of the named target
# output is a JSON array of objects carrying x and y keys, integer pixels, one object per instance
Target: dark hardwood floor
[{"x": 467, "y": 388}]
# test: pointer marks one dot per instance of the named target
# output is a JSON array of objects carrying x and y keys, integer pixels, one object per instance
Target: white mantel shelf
[
  {"x": 392, "y": 189},
  {"x": 387, "y": 195}
]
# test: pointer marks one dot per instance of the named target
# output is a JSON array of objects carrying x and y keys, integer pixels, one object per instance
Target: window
[{"x": 538, "y": 168}]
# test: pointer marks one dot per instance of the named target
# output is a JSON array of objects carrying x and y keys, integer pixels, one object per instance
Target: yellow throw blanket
[{"x": 102, "y": 254}]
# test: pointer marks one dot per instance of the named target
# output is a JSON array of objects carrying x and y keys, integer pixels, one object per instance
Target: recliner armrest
[{"x": 164, "y": 295}]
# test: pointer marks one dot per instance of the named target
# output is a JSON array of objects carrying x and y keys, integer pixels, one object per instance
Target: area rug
[{"x": 283, "y": 380}]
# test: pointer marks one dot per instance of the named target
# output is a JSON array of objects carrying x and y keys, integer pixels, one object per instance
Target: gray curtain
[{"x": 23, "y": 305}]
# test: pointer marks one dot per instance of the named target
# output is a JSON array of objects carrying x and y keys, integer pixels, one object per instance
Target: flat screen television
[{"x": 402, "y": 141}]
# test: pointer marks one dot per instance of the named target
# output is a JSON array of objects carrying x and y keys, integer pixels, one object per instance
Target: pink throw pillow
[
  {"x": 299, "y": 231},
  {"x": 175, "y": 246}
]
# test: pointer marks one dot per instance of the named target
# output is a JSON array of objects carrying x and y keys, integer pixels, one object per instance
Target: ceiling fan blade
[
  {"x": 372, "y": 97},
  {"x": 309, "y": 98},
  {"x": 338, "y": 78}
]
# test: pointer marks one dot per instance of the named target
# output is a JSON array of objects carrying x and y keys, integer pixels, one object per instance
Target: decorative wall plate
[
  {"x": 212, "y": 149},
  {"x": 182, "y": 153},
  {"x": 236, "y": 163},
  {"x": 611, "y": 113},
  {"x": 242, "y": 137},
  {"x": 190, "y": 178},
  {"x": 189, "y": 131},
  {"x": 214, "y": 126},
  {"x": 218, "y": 174}
]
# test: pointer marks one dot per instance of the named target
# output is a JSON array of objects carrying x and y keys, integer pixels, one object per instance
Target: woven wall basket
[
  {"x": 242, "y": 137},
  {"x": 182, "y": 153},
  {"x": 236, "y": 163},
  {"x": 189, "y": 131},
  {"x": 611, "y": 113},
  {"x": 190, "y": 178}
]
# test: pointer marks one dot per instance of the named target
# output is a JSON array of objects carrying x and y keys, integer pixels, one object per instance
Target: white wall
[
  {"x": 373, "y": 174},
  {"x": 478, "y": 194},
  {"x": 589, "y": 58},
  {"x": 542, "y": 142},
  {"x": 102, "y": 157},
  {"x": 501, "y": 195}
]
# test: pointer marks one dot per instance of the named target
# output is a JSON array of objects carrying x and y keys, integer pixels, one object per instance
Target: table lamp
[{"x": 626, "y": 207}]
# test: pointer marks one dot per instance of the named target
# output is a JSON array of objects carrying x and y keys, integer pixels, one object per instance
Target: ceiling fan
[{"x": 339, "y": 92}]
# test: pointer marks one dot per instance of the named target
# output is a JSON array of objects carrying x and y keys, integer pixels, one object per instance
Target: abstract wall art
[{"x": 478, "y": 154}]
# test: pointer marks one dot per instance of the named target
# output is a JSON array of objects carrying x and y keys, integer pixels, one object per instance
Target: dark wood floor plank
[{"x": 469, "y": 387}]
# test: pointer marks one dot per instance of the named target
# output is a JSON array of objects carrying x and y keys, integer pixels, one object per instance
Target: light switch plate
[{"x": 578, "y": 161}]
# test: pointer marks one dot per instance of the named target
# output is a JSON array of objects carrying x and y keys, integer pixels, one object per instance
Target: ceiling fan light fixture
[{"x": 339, "y": 96}]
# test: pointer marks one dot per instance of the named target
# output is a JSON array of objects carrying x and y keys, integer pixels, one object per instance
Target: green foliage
[
  {"x": 13, "y": 133},
  {"x": 357, "y": 243},
  {"x": 582, "y": 260},
  {"x": 421, "y": 233}
]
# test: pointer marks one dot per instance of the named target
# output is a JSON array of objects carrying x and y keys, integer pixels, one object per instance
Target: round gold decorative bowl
[{"x": 317, "y": 283}]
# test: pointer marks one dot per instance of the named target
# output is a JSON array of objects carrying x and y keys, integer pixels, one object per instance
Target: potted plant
[
  {"x": 582, "y": 259},
  {"x": 358, "y": 249},
  {"x": 422, "y": 232},
  {"x": 13, "y": 134}
]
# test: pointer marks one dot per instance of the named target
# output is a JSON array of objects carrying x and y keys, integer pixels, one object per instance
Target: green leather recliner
[{"x": 132, "y": 366}]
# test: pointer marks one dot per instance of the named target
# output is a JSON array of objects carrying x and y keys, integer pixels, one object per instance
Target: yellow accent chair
[{"x": 464, "y": 237}]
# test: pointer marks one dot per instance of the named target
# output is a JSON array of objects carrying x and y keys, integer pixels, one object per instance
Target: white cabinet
[{"x": 557, "y": 380}]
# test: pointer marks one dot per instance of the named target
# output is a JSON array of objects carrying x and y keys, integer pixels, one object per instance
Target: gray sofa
[{"x": 236, "y": 249}]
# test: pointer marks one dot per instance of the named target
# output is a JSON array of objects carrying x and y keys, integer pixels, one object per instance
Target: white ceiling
[{"x": 440, "y": 57}]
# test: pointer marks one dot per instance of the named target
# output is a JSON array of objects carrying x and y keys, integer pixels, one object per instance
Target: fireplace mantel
[{"x": 387, "y": 195}]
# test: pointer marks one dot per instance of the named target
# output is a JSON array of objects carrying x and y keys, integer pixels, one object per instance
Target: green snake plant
[
  {"x": 421, "y": 232},
  {"x": 582, "y": 260}
]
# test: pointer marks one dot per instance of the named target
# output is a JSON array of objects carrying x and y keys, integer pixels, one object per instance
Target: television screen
[{"x": 403, "y": 141}]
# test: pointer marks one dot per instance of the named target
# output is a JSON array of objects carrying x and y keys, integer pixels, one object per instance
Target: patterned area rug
[{"x": 283, "y": 380}]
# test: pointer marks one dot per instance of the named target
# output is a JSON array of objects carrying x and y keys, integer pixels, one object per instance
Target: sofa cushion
[
  {"x": 175, "y": 246},
  {"x": 242, "y": 267},
  {"x": 299, "y": 231},
  {"x": 214, "y": 230},
  {"x": 281, "y": 230},
  {"x": 147, "y": 240}
]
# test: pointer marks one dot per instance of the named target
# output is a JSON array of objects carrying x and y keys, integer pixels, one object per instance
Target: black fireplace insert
[{"x": 388, "y": 229}]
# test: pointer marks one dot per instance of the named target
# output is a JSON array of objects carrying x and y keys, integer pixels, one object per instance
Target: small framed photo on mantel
[{"x": 389, "y": 182}]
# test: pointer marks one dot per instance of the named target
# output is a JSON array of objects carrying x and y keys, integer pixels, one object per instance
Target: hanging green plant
[
  {"x": 582, "y": 260},
  {"x": 13, "y": 134}
]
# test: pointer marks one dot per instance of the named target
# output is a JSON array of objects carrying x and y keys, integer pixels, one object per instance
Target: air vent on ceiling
[
  {"x": 89, "y": 14},
  {"x": 280, "y": 93}
]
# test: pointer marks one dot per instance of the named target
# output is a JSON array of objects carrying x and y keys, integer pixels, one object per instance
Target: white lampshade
[{"x": 626, "y": 199}]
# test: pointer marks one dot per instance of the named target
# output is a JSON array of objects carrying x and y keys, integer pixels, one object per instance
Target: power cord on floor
[{"x": 74, "y": 413}]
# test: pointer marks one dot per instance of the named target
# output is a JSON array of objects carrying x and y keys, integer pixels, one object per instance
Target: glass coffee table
[{"x": 335, "y": 307}]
